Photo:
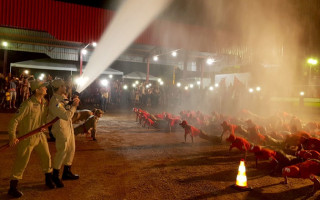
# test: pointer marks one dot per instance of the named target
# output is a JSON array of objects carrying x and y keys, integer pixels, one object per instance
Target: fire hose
[{"x": 32, "y": 132}]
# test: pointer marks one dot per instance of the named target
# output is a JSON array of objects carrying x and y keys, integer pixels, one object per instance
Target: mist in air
[{"x": 130, "y": 20}]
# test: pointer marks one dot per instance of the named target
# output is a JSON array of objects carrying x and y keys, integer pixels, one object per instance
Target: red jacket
[
  {"x": 311, "y": 144},
  {"x": 191, "y": 130},
  {"x": 302, "y": 170},
  {"x": 263, "y": 153},
  {"x": 238, "y": 142},
  {"x": 308, "y": 154}
]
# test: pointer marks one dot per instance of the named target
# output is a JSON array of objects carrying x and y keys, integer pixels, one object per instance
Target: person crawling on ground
[{"x": 90, "y": 125}]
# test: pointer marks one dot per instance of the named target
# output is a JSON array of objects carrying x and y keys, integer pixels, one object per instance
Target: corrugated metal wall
[{"x": 65, "y": 21}]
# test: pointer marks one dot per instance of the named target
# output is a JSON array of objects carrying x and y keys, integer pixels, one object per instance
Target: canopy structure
[
  {"x": 139, "y": 76},
  {"x": 57, "y": 65}
]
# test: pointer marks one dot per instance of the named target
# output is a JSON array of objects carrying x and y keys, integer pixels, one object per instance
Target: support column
[
  {"x": 148, "y": 69},
  {"x": 5, "y": 59},
  {"x": 81, "y": 57}
]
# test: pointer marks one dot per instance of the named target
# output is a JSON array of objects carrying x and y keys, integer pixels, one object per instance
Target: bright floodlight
[
  {"x": 150, "y": 84},
  {"x": 133, "y": 85},
  {"x": 174, "y": 53},
  {"x": 178, "y": 84},
  {"x": 301, "y": 93},
  {"x": 159, "y": 80},
  {"x": 104, "y": 82},
  {"x": 191, "y": 85},
  {"x": 42, "y": 75},
  {"x": 81, "y": 80},
  {"x": 125, "y": 87},
  {"x": 110, "y": 76},
  {"x": 161, "y": 83},
  {"x": 155, "y": 58},
  {"x": 94, "y": 44},
  {"x": 216, "y": 85},
  {"x": 186, "y": 88},
  {"x": 312, "y": 61},
  {"x": 211, "y": 88},
  {"x": 147, "y": 86},
  {"x": 250, "y": 90},
  {"x": 84, "y": 51},
  {"x": 5, "y": 44},
  {"x": 41, "y": 78},
  {"x": 137, "y": 82},
  {"x": 258, "y": 88},
  {"x": 210, "y": 61},
  {"x": 26, "y": 71},
  {"x": 198, "y": 82}
]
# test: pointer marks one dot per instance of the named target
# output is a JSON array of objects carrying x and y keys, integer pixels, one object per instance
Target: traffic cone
[{"x": 241, "y": 183}]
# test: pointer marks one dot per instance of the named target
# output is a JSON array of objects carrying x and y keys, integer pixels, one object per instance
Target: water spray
[{"x": 132, "y": 18}]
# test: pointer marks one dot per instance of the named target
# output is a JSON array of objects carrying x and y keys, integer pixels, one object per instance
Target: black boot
[
  {"x": 13, "y": 191},
  {"x": 56, "y": 179},
  {"x": 68, "y": 175},
  {"x": 49, "y": 181}
]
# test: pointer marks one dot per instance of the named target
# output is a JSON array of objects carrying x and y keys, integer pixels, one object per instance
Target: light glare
[
  {"x": 155, "y": 58},
  {"x": 5, "y": 44},
  {"x": 210, "y": 61},
  {"x": 174, "y": 53}
]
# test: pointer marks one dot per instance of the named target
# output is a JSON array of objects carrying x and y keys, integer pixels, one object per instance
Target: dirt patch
[{"x": 131, "y": 162}]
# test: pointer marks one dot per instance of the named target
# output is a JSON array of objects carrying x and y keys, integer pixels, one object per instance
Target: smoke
[{"x": 130, "y": 20}]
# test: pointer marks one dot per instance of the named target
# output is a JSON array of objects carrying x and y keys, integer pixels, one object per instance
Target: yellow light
[
  {"x": 26, "y": 71},
  {"x": 312, "y": 61},
  {"x": 186, "y": 88},
  {"x": 5, "y": 44},
  {"x": 137, "y": 82},
  {"x": 258, "y": 88},
  {"x": 301, "y": 93}
]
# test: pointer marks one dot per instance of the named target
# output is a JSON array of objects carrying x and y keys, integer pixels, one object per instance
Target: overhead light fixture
[
  {"x": 84, "y": 51},
  {"x": 210, "y": 61},
  {"x": 216, "y": 85},
  {"x": 110, "y": 76},
  {"x": 26, "y": 71},
  {"x": 211, "y": 88},
  {"x": 94, "y": 44},
  {"x": 155, "y": 58},
  {"x": 198, "y": 82},
  {"x": 104, "y": 82},
  {"x": 191, "y": 85},
  {"x": 125, "y": 87},
  {"x": 178, "y": 84},
  {"x": 5, "y": 44},
  {"x": 250, "y": 90},
  {"x": 174, "y": 54},
  {"x": 258, "y": 88},
  {"x": 301, "y": 93}
]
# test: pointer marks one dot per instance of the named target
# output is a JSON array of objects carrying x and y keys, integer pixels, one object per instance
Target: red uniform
[
  {"x": 263, "y": 153},
  {"x": 308, "y": 154},
  {"x": 302, "y": 170},
  {"x": 193, "y": 131},
  {"x": 238, "y": 142},
  {"x": 311, "y": 144}
]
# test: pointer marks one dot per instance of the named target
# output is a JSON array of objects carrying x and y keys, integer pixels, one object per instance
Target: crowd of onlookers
[{"x": 123, "y": 93}]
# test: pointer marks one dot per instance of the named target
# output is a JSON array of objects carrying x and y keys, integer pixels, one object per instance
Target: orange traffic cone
[{"x": 241, "y": 183}]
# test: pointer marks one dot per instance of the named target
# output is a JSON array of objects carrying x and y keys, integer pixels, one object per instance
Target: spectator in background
[
  {"x": 13, "y": 93},
  {"x": 24, "y": 89}
]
